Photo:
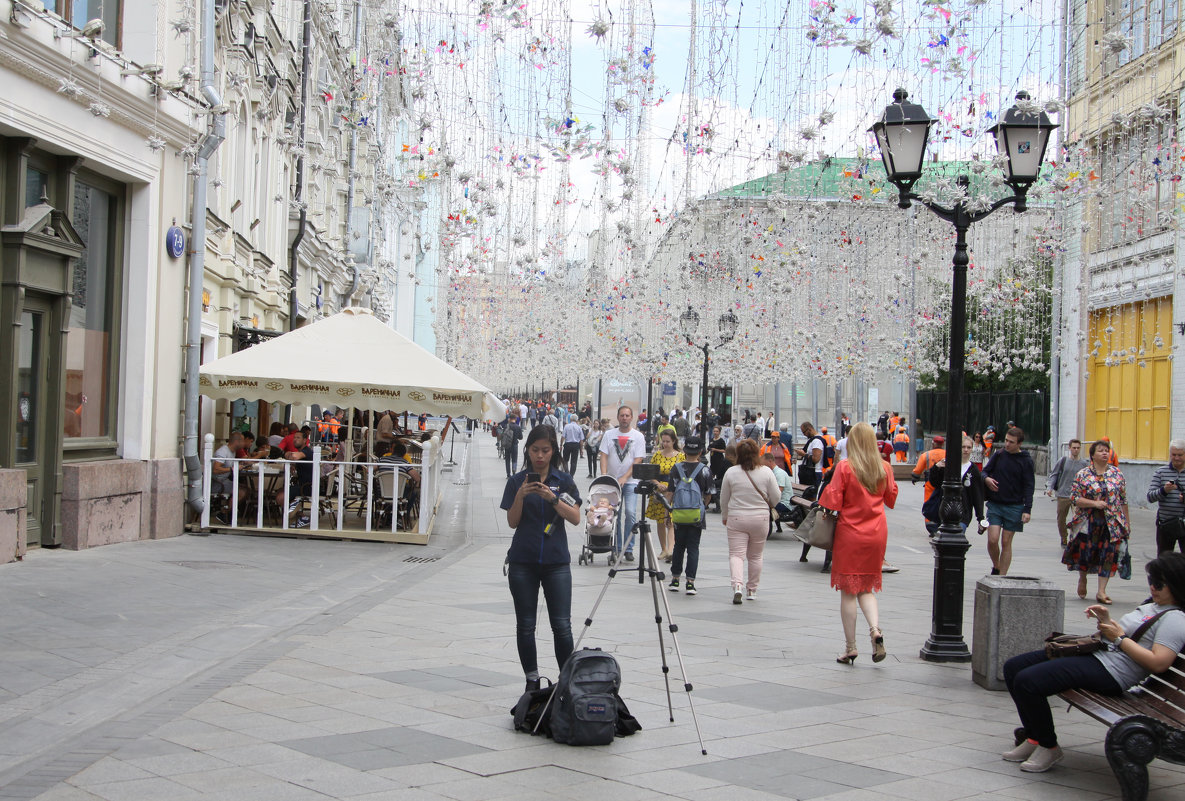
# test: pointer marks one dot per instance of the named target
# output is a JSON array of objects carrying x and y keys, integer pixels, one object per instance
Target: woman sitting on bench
[{"x": 1123, "y": 663}]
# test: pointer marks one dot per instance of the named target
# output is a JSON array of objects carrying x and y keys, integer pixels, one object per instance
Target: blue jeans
[
  {"x": 686, "y": 541},
  {"x": 556, "y": 580},
  {"x": 626, "y": 519},
  {"x": 1032, "y": 678}
]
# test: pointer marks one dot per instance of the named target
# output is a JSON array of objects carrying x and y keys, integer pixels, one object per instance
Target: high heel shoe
[
  {"x": 878, "y": 644},
  {"x": 849, "y": 655}
]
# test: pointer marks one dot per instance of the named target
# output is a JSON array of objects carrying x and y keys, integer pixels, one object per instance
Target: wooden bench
[{"x": 1143, "y": 725}]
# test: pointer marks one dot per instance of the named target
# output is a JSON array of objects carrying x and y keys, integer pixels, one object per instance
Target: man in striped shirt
[{"x": 1168, "y": 490}]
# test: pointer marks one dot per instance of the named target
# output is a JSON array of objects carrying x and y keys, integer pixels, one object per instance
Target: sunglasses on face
[{"x": 1156, "y": 584}]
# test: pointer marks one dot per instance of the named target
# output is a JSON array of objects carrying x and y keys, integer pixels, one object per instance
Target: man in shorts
[{"x": 1010, "y": 477}]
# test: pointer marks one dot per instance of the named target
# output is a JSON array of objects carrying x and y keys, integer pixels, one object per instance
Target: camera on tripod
[{"x": 649, "y": 472}]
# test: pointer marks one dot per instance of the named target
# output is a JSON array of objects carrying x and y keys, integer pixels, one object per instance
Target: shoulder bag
[
  {"x": 1058, "y": 645},
  {"x": 818, "y": 528}
]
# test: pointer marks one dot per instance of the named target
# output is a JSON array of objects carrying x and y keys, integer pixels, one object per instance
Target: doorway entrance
[{"x": 33, "y": 454}]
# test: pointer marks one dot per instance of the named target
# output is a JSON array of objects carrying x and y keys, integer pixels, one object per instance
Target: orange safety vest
[
  {"x": 901, "y": 436},
  {"x": 780, "y": 453},
  {"x": 925, "y": 462}
]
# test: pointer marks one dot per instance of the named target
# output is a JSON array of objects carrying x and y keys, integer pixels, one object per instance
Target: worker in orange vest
[
  {"x": 928, "y": 460},
  {"x": 901, "y": 444},
  {"x": 782, "y": 457},
  {"x": 328, "y": 427}
]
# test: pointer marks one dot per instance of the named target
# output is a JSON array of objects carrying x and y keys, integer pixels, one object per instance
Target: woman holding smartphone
[
  {"x": 537, "y": 502},
  {"x": 1142, "y": 642}
]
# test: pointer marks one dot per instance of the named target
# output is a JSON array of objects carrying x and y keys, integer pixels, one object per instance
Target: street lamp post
[
  {"x": 1021, "y": 137},
  {"x": 688, "y": 323}
]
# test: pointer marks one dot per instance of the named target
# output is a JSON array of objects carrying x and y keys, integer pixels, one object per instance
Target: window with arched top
[{"x": 242, "y": 150}]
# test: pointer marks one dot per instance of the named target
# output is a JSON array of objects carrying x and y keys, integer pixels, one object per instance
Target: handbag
[
  {"x": 1058, "y": 645},
  {"x": 818, "y": 529},
  {"x": 1125, "y": 562}
]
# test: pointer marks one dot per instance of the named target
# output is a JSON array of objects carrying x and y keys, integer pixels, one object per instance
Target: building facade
[
  {"x": 1122, "y": 264},
  {"x": 102, "y": 124}
]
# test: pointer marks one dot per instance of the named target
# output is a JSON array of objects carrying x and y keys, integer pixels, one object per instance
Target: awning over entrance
[{"x": 349, "y": 359}]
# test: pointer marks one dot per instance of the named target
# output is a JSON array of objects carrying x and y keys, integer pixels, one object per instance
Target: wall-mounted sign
[{"x": 175, "y": 242}]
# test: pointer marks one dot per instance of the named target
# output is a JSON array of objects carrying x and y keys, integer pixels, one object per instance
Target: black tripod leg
[
  {"x": 662, "y": 605},
  {"x": 656, "y": 578}
]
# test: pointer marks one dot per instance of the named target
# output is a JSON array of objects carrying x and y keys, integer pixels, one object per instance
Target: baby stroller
[{"x": 604, "y": 499}]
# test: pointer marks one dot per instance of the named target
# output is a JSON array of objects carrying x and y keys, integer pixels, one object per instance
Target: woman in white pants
[{"x": 748, "y": 492}]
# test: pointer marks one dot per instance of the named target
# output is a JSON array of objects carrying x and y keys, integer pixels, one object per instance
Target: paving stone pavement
[{"x": 233, "y": 667}]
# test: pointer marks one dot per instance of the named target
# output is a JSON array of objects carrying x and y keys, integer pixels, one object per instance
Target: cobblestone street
[{"x": 231, "y": 667}]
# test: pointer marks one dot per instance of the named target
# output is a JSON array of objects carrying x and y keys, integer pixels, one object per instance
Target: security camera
[
  {"x": 146, "y": 69},
  {"x": 91, "y": 30}
]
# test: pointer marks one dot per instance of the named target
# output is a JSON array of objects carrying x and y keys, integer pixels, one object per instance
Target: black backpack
[{"x": 584, "y": 706}]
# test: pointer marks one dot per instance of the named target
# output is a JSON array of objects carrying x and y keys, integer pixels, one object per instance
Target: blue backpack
[{"x": 687, "y": 505}]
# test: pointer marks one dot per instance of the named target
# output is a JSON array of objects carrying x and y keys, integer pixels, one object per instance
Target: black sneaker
[
  {"x": 301, "y": 522},
  {"x": 995, "y": 571},
  {"x": 532, "y": 685},
  {"x": 674, "y": 585},
  {"x": 690, "y": 587},
  {"x": 629, "y": 557}
]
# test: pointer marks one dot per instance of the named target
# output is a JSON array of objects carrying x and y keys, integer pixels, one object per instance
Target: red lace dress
[{"x": 862, "y": 531}]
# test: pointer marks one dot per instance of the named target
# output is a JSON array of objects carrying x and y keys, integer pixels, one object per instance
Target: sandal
[
  {"x": 878, "y": 644},
  {"x": 1082, "y": 586},
  {"x": 1103, "y": 599},
  {"x": 849, "y": 655}
]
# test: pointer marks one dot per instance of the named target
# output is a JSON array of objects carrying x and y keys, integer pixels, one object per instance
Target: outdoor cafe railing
[{"x": 272, "y": 477}]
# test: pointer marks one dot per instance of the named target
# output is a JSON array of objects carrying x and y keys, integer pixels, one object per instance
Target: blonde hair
[{"x": 865, "y": 459}]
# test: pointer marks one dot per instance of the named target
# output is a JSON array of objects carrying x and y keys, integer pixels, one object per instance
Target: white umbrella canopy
[{"x": 349, "y": 359}]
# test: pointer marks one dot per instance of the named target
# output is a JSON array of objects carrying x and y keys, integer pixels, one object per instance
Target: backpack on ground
[
  {"x": 687, "y": 504},
  {"x": 584, "y": 706}
]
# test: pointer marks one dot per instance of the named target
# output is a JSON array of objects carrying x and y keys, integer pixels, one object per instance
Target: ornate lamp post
[
  {"x": 688, "y": 323},
  {"x": 1021, "y": 137}
]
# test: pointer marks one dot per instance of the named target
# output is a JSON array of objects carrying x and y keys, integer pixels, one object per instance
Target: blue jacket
[{"x": 540, "y": 537}]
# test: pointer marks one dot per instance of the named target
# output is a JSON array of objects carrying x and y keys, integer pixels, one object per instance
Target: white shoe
[
  {"x": 1021, "y": 753},
  {"x": 752, "y": 596},
  {"x": 736, "y": 593},
  {"x": 1042, "y": 760}
]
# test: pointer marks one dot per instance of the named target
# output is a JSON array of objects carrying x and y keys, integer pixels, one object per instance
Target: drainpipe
[
  {"x": 353, "y": 152},
  {"x": 298, "y": 190},
  {"x": 197, "y": 262}
]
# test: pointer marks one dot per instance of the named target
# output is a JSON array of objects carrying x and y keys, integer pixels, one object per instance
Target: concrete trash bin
[{"x": 1013, "y": 614}]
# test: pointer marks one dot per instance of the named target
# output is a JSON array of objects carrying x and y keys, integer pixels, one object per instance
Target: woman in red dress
[{"x": 860, "y": 490}]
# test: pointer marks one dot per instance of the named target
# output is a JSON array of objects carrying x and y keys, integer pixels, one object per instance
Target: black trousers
[
  {"x": 571, "y": 456},
  {"x": 1170, "y": 535}
]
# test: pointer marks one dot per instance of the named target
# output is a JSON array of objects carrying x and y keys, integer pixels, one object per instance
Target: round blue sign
[{"x": 175, "y": 242}]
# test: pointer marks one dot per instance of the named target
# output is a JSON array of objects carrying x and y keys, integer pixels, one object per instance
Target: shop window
[
  {"x": 91, "y": 352},
  {"x": 1129, "y": 383},
  {"x": 36, "y": 186}
]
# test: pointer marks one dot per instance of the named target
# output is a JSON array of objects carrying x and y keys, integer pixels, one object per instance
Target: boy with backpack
[{"x": 690, "y": 485}]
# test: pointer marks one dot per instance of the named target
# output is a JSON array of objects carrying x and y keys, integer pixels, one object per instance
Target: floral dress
[
  {"x": 1100, "y": 532},
  {"x": 655, "y": 510}
]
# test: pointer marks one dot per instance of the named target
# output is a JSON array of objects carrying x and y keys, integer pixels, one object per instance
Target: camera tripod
[{"x": 648, "y": 567}]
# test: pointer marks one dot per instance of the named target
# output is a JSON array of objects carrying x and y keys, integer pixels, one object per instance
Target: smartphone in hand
[
  {"x": 1099, "y": 613},
  {"x": 532, "y": 478}
]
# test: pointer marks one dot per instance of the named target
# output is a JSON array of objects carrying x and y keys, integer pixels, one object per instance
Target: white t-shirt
[
  {"x": 841, "y": 449},
  {"x": 622, "y": 450},
  {"x": 223, "y": 456}
]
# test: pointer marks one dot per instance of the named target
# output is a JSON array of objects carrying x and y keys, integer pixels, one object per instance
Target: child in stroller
[{"x": 604, "y": 498}]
